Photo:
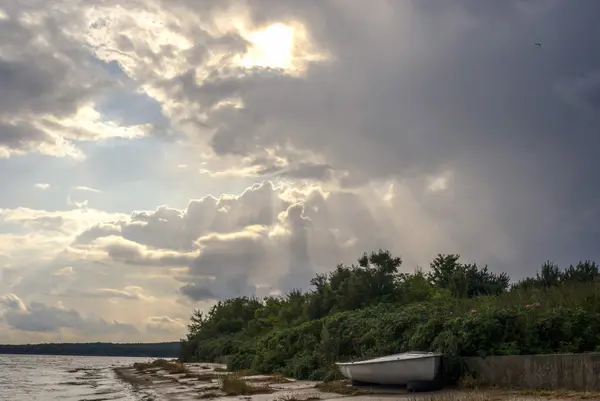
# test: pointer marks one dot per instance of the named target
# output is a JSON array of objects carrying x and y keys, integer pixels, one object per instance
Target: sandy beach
[{"x": 173, "y": 381}]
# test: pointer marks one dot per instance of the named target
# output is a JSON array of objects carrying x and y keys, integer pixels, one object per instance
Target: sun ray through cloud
[{"x": 159, "y": 156}]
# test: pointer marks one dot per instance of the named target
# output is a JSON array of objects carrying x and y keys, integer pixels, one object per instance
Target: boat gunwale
[{"x": 379, "y": 361}]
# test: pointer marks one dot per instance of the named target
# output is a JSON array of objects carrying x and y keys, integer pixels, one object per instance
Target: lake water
[{"x": 67, "y": 378}]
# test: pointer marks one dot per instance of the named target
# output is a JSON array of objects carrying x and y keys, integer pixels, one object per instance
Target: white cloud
[
  {"x": 71, "y": 221},
  {"x": 128, "y": 293},
  {"x": 86, "y": 189},
  {"x": 44, "y": 234},
  {"x": 51, "y": 85},
  {"x": 439, "y": 183},
  {"x": 64, "y": 271},
  {"x": 415, "y": 128},
  {"x": 276, "y": 237},
  {"x": 38, "y": 317},
  {"x": 127, "y": 251},
  {"x": 167, "y": 325},
  {"x": 11, "y": 302}
]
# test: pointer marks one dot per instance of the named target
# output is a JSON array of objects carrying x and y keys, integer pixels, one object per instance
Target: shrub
[{"x": 371, "y": 309}]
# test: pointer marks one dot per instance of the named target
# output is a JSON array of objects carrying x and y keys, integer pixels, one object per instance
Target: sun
[
  {"x": 272, "y": 47},
  {"x": 285, "y": 45}
]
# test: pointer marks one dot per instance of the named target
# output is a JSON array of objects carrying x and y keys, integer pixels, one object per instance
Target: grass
[
  {"x": 340, "y": 387},
  {"x": 468, "y": 381},
  {"x": 130, "y": 378},
  {"x": 171, "y": 367},
  {"x": 474, "y": 396},
  {"x": 558, "y": 394},
  {"x": 176, "y": 368},
  {"x": 272, "y": 379},
  {"x": 499, "y": 395},
  {"x": 565, "y": 295},
  {"x": 291, "y": 397},
  {"x": 233, "y": 385}
]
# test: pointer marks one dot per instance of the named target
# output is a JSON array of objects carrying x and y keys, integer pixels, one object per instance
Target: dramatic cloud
[
  {"x": 43, "y": 234},
  {"x": 162, "y": 155},
  {"x": 274, "y": 238},
  {"x": 38, "y": 317},
  {"x": 471, "y": 97},
  {"x": 49, "y": 84}
]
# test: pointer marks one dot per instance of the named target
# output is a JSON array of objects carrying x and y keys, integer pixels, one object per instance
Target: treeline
[
  {"x": 371, "y": 309},
  {"x": 158, "y": 350}
]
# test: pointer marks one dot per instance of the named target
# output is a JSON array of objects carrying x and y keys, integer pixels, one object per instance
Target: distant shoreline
[{"x": 144, "y": 350}]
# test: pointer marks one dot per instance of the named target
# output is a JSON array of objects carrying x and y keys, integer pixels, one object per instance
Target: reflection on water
[{"x": 42, "y": 378}]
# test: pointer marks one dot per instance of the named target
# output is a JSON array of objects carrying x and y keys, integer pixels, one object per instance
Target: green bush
[{"x": 371, "y": 310}]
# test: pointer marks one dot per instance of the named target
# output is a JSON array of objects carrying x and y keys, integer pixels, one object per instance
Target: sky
[{"x": 157, "y": 156}]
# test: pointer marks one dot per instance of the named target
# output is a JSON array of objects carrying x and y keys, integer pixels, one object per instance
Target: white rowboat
[{"x": 394, "y": 369}]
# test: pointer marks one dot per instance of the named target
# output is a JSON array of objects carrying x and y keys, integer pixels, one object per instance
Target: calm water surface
[{"x": 44, "y": 378}]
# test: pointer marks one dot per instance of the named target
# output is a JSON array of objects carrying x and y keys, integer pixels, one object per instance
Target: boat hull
[{"x": 396, "y": 369}]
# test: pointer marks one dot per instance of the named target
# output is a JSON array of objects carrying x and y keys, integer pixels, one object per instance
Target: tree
[
  {"x": 373, "y": 280},
  {"x": 549, "y": 275},
  {"x": 415, "y": 287},
  {"x": 480, "y": 281},
  {"x": 582, "y": 272},
  {"x": 320, "y": 301},
  {"x": 444, "y": 269},
  {"x": 196, "y": 322},
  {"x": 465, "y": 280}
]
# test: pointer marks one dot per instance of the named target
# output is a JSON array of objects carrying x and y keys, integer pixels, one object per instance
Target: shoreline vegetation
[
  {"x": 147, "y": 350},
  {"x": 372, "y": 309}
]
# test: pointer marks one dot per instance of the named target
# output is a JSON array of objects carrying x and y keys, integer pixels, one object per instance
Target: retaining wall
[{"x": 554, "y": 371}]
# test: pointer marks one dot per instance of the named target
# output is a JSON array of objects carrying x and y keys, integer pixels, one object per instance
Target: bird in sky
[{"x": 538, "y": 44}]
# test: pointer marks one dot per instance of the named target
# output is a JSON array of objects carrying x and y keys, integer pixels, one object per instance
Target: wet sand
[{"x": 202, "y": 381}]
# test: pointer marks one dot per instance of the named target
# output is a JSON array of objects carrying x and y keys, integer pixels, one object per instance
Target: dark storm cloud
[
  {"x": 415, "y": 89},
  {"x": 197, "y": 293},
  {"x": 413, "y": 93},
  {"x": 39, "y": 317},
  {"x": 43, "y": 72}
]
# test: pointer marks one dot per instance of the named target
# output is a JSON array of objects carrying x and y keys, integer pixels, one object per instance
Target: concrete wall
[
  {"x": 555, "y": 371},
  {"x": 223, "y": 359}
]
